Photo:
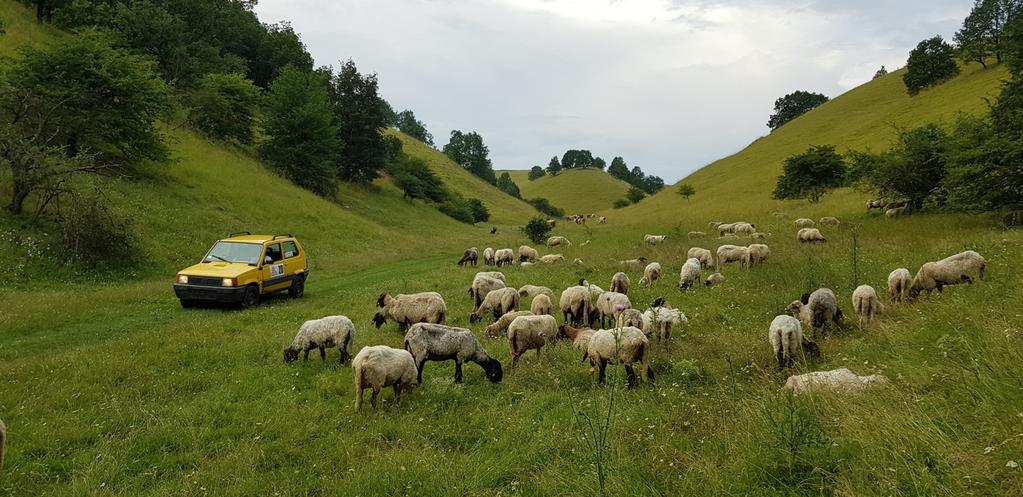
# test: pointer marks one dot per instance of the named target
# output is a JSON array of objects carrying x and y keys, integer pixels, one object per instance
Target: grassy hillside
[
  {"x": 578, "y": 191},
  {"x": 22, "y": 28}
]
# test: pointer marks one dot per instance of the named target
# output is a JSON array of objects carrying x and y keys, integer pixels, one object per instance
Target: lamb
[
  {"x": 865, "y": 303},
  {"x": 836, "y": 380},
  {"x": 758, "y": 253},
  {"x": 786, "y": 337},
  {"x": 528, "y": 254},
  {"x": 829, "y": 221},
  {"x": 425, "y": 307},
  {"x": 433, "y": 342},
  {"x": 715, "y": 279},
  {"x": 575, "y": 304},
  {"x": 626, "y": 346},
  {"x": 620, "y": 283},
  {"x": 530, "y": 291},
  {"x": 3, "y": 439},
  {"x": 732, "y": 253},
  {"x": 500, "y": 327},
  {"x": 804, "y": 223},
  {"x": 689, "y": 274},
  {"x": 530, "y": 333},
  {"x": 896, "y": 212},
  {"x": 540, "y": 305},
  {"x": 654, "y": 239},
  {"x": 899, "y": 283},
  {"x": 488, "y": 257},
  {"x": 651, "y": 274},
  {"x": 470, "y": 256},
  {"x": 483, "y": 284},
  {"x": 554, "y": 241},
  {"x": 810, "y": 235},
  {"x": 323, "y": 333},
  {"x": 504, "y": 256},
  {"x": 693, "y": 235},
  {"x": 706, "y": 257},
  {"x": 610, "y": 305},
  {"x": 499, "y": 302},
  {"x": 552, "y": 258},
  {"x": 381, "y": 366},
  {"x": 659, "y": 320},
  {"x": 960, "y": 268},
  {"x": 817, "y": 309}
]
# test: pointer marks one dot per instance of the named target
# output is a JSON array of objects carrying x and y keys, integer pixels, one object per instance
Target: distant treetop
[{"x": 794, "y": 105}]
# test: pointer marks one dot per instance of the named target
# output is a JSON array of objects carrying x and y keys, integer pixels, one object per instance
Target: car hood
[{"x": 218, "y": 269}]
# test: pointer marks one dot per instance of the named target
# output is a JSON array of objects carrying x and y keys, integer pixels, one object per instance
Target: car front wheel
[
  {"x": 297, "y": 288},
  {"x": 251, "y": 297}
]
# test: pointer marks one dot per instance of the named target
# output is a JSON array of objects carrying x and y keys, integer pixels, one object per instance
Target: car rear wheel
[
  {"x": 297, "y": 288},
  {"x": 251, "y": 296}
]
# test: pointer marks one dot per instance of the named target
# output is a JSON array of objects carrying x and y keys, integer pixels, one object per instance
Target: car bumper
[{"x": 209, "y": 293}]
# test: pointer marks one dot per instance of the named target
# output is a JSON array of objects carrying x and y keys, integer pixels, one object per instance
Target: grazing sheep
[
  {"x": 829, "y": 221},
  {"x": 528, "y": 254},
  {"x": 632, "y": 317},
  {"x": 595, "y": 290},
  {"x": 406, "y": 310},
  {"x": 715, "y": 279},
  {"x": 497, "y": 275},
  {"x": 840, "y": 380},
  {"x": 381, "y": 366},
  {"x": 434, "y": 342},
  {"x": 758, "y": 253},
  {"x": 541, "y": 304},
  {"x": 742, "y": 229},
  {"x": 488, "y": 257},
  {"x": 865, "y": 303},
  {"x": 602, "y": 220},
  {"x": 726, "y": 228},
  {"x": 580, "y": 337},
  {"x": 578, "y": 261},
  {"x": 706, "y": 257},
  {"x": 530, "y": 291},
  {"x": 470, "y": 256},
  {"x": 810, "y": 235},
  {"x": 896, "y": 212},
  {"x": 526, "y": 265},
  {"x": 804, "y": 223},
  {"x": 499, "y": 328},
  {"x": 620, "y": 283},
  {"x": 817, "y": 309},
  {"x": 689, "y": 274},
  {"x": 482, "y": 285},
  {"x": 504, "y": 256},
  {"x": 659, "y": 320},
  {"x": 899, "y": 283},
  {"x": 876, "y": 204},
  {"x": 626, "y": 346},
  {"x": 758, "y": 236},
  {"x": 499, "y": 302},
  {"x": 610, "y": 305},
  {"x": 3, "y": 440},
  {"x": 323, "y": 333},
  {"x": 554, "y": 241},
  {"x": 714, "y": 224},
  {"x": 732, "y": 253},
  {"x": 552, "y": 258},
  {"x": 786, "y": 337},
  {"x": 651, "y": 274},
  {"x": 530, "y": 333},
  {"x": 552, "y": 223},
  {"x": 654, "y": 239},
  {"x": 575, "y": 304},
  {"x": 693, "y": 235},
  {"x": 960, "y": 268},
  {"x": 633, "y": 262}
]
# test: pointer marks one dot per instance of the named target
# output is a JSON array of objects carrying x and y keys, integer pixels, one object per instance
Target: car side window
[
  {"x": 274, "y": 252},
  {"x": 290, "y": 249}
]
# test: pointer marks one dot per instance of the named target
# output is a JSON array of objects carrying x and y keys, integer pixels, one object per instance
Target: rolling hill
[{"x": 578, "y": 191}]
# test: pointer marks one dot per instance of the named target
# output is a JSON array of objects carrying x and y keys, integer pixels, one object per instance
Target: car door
[
  {"x": 293, "y": 263},
  {"x": 274, "y": 273}
]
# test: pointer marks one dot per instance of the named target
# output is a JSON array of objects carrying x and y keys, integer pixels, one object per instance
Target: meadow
[{"x": 577, "y": 191}]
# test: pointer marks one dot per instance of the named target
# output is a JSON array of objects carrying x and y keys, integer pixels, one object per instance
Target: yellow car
[{"x": 241, "y": 268}]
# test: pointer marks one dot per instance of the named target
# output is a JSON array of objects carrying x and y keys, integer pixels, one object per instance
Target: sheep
[
  {"x": 896, "y": 212},
  {"x": 3, "y": 439},
  {"x": 528, "y": 254},
  {"x": 610, "y": 305},
  {"x": 381, "y": 366},
  {"x": 689, "y": 274},
  {"x": 835, "y": 380},
  {"x": 575, "y": 304},
  {"x": 633, "y": 262},
  {"x": 595, "y": 290},
  {"x": 810, "y": 235},
  {"x": 488, "y": 257},
  {"x": 499, "y": 302},
  {"x": 530, "y": 333},
  {"x": 323, "y": 333},
  {"x": 631, "y": 317},
  {"x": 876, "y": 204},
  {"x": 829, "y": 221},
  {"x": 654, "y": 239},
  {"x": 433, "y": 342},
  {"x": 497, "y": 275},
  {"x": 483, "y": 284},
  {"x": 541, "y": 304},
  {"x": 758, "y": 253},
  {"x": 578, "y": 262},
  {"x": 693, "y": 235},
  {"x": 746, "y": 229},
  {"x": 758, "y": 236},
  {"x": 725, "y": 228},
  {"x": 651, "y": 274},
  {"x": 627, "y": 346},
  {"x": 580, "y": 337},
  {"x": 620, "y": 283},
  {"x": 526, "y": 265},
  {"x": 554, "y": 241},
  {"x": 960, "y": 268},
  {"x": 786, "y": 337},
  {"x": 504, "y": 256},
  {"x": 865, "y": 303},
  {"x": 715, "y": 279},
  {"x": 552, "y": 258},
  {"x": 602, "y": 220},
  {"x": 426, "y": 307},
  {"x": 732, "y": 253},
  {"x": 659, "y": 319},
  {"x": 530, "y": 291},
  {"x": 804, "y": 223},
  {"x": 899, "y": 283},
  {"x": 552, "y": 223},
  {"x": 706, "y": 257},
  {"x": 714, "y": 224},
  {"x": 500, "y": 327},
  {"x": 817, "y": 309},
  {"x": 470, "y": 256}
]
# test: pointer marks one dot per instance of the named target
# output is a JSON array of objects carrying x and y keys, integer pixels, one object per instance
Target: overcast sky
[{"x": 669, "y": 85}]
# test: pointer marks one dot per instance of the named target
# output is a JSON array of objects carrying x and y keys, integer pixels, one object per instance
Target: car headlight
[
  {"x": 182, "y": 279},
  {"x": 228, "y": 282}
]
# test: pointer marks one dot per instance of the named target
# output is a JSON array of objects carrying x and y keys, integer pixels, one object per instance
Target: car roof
[{"x": 256, "y": 238}]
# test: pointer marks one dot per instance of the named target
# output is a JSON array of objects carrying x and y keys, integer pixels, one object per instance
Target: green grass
[
  {"x": 578, "y": 191},
  {"x": 22, "y": 30}
]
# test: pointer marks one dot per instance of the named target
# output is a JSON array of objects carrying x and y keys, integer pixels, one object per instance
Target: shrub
[
  {"x": 686, "y": 190},
  {"x": 457, "y": 208},
  {"x": 930, "y": 63},
  {"x": 93, "y": 234},
  {"x": 634, "y": 195},
  {"x": 224, "y": 107},
  {"x": 543, "y": 205},
  {"x": 811, "y": 174},
  {"x": 537, "y": 230},
  {"x": 480, "y": 213},
  {"x": 620, "y": 203}
]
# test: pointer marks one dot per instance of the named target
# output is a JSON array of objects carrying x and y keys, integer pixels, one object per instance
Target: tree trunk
[
  {"x": 18, "y": 199},
  {"x": 40, "y": 10}
]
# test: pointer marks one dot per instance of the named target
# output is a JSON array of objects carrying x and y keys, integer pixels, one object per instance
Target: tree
[
  {"x": 468, "y": 151},
  {"x": 881, "y": 72},
  {"x": 224, "y": 107},
  {"x": 619, "y": 169},
  {"x": 543, "y": 205},
  {"x": 974, "y": 38},
  {"x": 686, "y": 190},
  {"x": 811, "y": 174},
  {"x": 599, "y": 163},
  {"x": 505, "y": 184},
  {"x": 407, "y": 123},
  {"x": 930, "y": 63},
  {"x": 636, "y": 177},
  {"x": 652, "y": 184},
  {"x": 554, "y": 167},
  {"x": 359, "y": 117},
  {"x": 537, "y": 230},
  {"x": 635, "y": 195},
  {"x": 536, "y": 173},
  {"x": 794, "y": 105},
  {"x": 301, "y": 138},
  {"x": 416, "y": 180},
  {"x": 913, "y": 169},
  {"x": 479, "y": 210},
  {"x": 577, "y": 158},
  {"x": 280, "y": 47}
]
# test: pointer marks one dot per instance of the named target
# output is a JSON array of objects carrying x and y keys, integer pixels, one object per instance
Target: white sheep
[
  {"x": 620, "y": 283},
  {"x": 714, "y": 224},
  {"x": 660, "y": 319},
  {"x": 631, "y": 317},
  {"x": 528, "y": 254},
  {"x": 715, "y": 279},
  {"x": 758, "y": 253},
  {"x": 578, "y": 262},
  {"x": 526, "y": 265},
  {"x": 804, "y": 223},
  {"x": 706, "y": 257},
  {"x": 899, "y": 283},
  {"x": 651, "y": 274},
  {"x": 541, "y": 304},
  {"x": 626, "y": 346},
  {"x": 817, "y": 309},
  {"x": 483, "y": 284},
  {"x": 690, "y": 274},
  {"x": 530, "y": 291},
  {"x": 896, "y": 212},
  {"x": 595, "y": 290},
  {"x": 840, "y": 380},
  {"x": 488, "y": 257},
  {"x": 499, "y": 302},
  {"x": 960, "y": 268},
  {"x": 610, "y": 305},
  {"x": 786, "y": 337},
  {"x": 381, "y": 366},
  {"x": 434, "y": 342},
  {"x": 554, "y": 241},
  {"x": 633, "y": 262},
  {"x": 865, "y": 303},
  {"x": 497, "y": 275},
  {"x": 530, "y": 333},
  {"x": 654, "y": 239},
  {"x": 552, "y": 258},
  {"x": 499, "y": 328},
  {"x": 575, "y": 304},
  {"x": 323, "y": 333},
  {"x": 504, "y": 256},
  {"x": 424, "y": 307},
  {"x": 810, "y": 235},
  {"x": 744, "y": 229},
  {"x": 829, "y": 221},
  {"x": 470, "y": 256},
  {"x": 732, "y": 253}
]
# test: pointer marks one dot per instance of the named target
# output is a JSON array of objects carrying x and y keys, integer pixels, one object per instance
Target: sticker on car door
[{"x": 276, "y": 270}]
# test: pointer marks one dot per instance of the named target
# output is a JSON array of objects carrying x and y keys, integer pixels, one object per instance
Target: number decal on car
[{"x": 276, "y": 270}]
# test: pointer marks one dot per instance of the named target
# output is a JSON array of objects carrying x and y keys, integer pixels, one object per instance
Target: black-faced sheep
[
  {"x": 499, "y": 328},
  {"x": 470, "y": 256},
  {"x": 499, "y": 302},
  {"x": 504, "y": 257},
  {"x": 530, "y": 333},
  {"x": 865, "y": 303},
  {"x": 528, "y": 254},
  {"x": 620, "y": 283},
  {"x": 483, "y": 284},
  {"x": 610, "y": 305},
  {"x": 627, "y": 346},
  {"x": 488, "y": 257},
  {"x": 654, "y": 239},
  {"x": 530, "y": 291},
  {"x": 706, "y": 257},
  {"x": 786, "y": 337},
  {"x": 575, "y": 304},
  {"x": 690, "y": 274},
  {"x": 406, "y": 310},
  {"x": 960, "y": 268},
  {"x": 432, "y": 342},
  {"x": 715, "y": 279},
  {"x": 381, "y": 366},
  {"x": 817, "y": 309},
  {"x": 323, "y": 333},
  {"x": 541, "y": 304},
  {"x": 554, "y": 241},
  {"x": 758, "y": 253},
  {"x": 651, "y": 274},
  {"x": 732, "y": 253},
  {"x": 810, "y": 235},
  {"x": 899, "y": 283}
]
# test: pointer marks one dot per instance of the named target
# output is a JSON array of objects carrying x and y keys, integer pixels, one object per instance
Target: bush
[
  {"x": 92, "y": 234},
  {"x": 543, "y": 205},
  {"x": 811, "y": 174},
  {"x": 537, "y": 230},
  {"x": 480, "y": 213},
  {"x": 224, "y": 107},
  {"x": 634, "y": 195},
  {"x": 930, "y": 63},
  {"x": 620, "y": 203},
  {"x": 457, "y": 208}
]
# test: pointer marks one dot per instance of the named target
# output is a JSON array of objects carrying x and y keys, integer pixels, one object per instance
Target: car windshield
[{"x": 246, "y": 253}]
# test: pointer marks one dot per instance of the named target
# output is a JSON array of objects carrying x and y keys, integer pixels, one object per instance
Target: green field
[
  {"x": 109, "y": 387},
  {"x": 578, "y": 191}
]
